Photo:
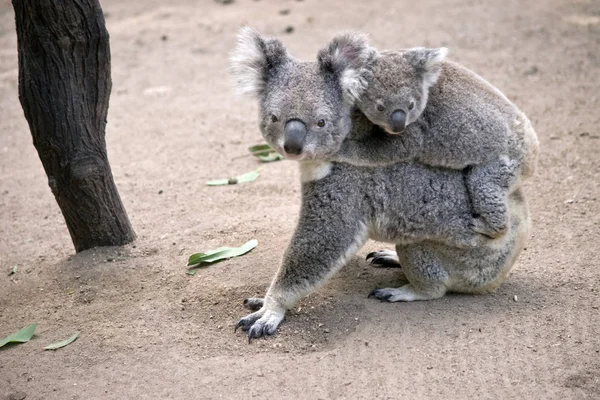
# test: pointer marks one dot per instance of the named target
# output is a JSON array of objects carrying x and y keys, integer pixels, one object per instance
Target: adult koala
[{"x": 424, "y": 210}]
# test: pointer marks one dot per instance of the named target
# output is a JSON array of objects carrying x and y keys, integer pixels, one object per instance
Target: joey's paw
[
  {"x": 506, "y": 172},
  {"x": 253, "y": 303},
  {"x": 493, "y": 231},
  {"x": 384, "y": 259},
  {"x": 261, "y": 323}
]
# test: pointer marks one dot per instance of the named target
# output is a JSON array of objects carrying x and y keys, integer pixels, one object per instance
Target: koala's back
[{"x": 468, "y": 119}]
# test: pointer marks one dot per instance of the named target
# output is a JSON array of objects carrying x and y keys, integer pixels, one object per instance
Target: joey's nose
[
  {"x": 294, "y": 136},
  {"x": 398, "y": 121}
]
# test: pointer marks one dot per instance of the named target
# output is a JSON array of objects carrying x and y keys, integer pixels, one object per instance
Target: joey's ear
[
  {"x": 428, "y": 62},
  {"x": 350, "y": 58},
  {"x": 252, "y": 59}
]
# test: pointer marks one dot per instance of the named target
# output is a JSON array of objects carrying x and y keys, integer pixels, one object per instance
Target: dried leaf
[
  {"x": 62, "y": 343},
  {"x": 247, "y": 177}
]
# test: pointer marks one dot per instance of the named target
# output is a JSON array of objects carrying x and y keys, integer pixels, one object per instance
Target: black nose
[
  {"x": 294, "y": 136},
  {"x": 398, "y": 121}
]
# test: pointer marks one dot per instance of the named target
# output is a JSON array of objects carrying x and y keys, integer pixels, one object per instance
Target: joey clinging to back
[
  {"x": 302, "y": 110},
  {"x": 441, "y": 114},
  {"x": 397, "y": 91}
]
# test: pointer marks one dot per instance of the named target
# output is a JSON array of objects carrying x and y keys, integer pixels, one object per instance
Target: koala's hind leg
[
  {"x": 326, "y": 237},
  {"x": 427, "y": 277},
  {"x": 488, "y": 185}
]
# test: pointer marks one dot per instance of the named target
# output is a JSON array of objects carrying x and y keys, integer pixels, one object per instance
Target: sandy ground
[{"x": 149, "y": 331}]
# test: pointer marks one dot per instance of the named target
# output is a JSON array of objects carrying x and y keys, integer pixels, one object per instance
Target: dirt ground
[{"x": 149, "y": 331}]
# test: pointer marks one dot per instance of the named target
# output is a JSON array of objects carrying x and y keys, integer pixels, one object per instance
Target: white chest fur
[{"x": 314, "y": 170}]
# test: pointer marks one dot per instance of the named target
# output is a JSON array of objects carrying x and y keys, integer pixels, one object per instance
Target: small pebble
[
  {"x": 515, "y": 298},
  {"x": 532, "y": 70}
]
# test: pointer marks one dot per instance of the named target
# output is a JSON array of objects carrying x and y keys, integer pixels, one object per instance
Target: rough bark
[{"x": 64, "y": 88}]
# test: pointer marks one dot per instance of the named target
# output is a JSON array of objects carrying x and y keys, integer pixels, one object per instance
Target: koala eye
[
  {"x": 274, "y": 118},
  {"x": 321, "y": 123},
  {"x": 380, "y": 107},
  {"x": 411, "y": 105}
]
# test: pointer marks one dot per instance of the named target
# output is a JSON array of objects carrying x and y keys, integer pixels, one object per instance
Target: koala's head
[
  {"x": 398, "y": 86},
  {"x": 302, "y": 108}
]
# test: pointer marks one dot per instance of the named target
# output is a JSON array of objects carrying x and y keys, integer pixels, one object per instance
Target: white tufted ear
[
  {"x": 252, "y": 59},
  {"x": 428, "y": 61},
  {"x": 350, "y": 58}
]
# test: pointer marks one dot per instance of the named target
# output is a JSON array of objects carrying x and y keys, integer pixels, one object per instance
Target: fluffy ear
[
  {"x": 350, "y": 58},
  {"x": 428, "y": 62},
  {"x": 252, "y": 59}
]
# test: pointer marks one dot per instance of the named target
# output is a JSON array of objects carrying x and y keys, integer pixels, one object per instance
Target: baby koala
[{"x": 441, "y": 114}]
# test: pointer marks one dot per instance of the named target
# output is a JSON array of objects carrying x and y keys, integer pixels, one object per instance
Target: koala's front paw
[
  {"x": 384, "y": 259},
  {"x": 261, "y": 323}
]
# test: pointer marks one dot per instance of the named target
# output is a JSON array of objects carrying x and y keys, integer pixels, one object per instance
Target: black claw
[
  {"x": 385, "y": 297},
  {"x": 239, "y": 323},
  {"x": 372, "y": 254},
  {"x": 383, "y": 261},
  {"x": 254, "y": 333},
  {"x": 378, "y": 295}
]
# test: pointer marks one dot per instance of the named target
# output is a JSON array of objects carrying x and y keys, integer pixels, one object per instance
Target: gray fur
[
  {"x": 455, "y": 119},
  {"x": 424, "y": 210}
]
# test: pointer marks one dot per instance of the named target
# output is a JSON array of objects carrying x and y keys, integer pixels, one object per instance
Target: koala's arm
[
  {"x": 378, "y": 149},
  {"x": 329, "y": 232}
]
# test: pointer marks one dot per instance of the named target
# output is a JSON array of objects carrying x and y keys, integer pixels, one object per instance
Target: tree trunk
[{"x": 64, "y": 87}]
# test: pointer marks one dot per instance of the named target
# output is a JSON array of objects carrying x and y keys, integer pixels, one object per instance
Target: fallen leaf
[
  {"x": 21, "y": 336},
  {"x": 222, "y": 253},
  {"x": 270, "y": 157},
  {"x": 247, "y": 177},
  {"x": 260, "y": 149},
  {"x": 62, "y": 343},
  {"x": 265, "y": 153}
]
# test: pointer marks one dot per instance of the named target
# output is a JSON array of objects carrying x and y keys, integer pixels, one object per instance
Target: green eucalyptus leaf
[
  {"x": 21, "y": 336},
  {"x": 270, "y": 157},
  {"x": 265, "y": 153},
  {"x": 222, "y": 253},
  {"x": 62, "y": 343},
  {"x": 260, "y": 149},
  {"x": 244, "y": 178}
]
